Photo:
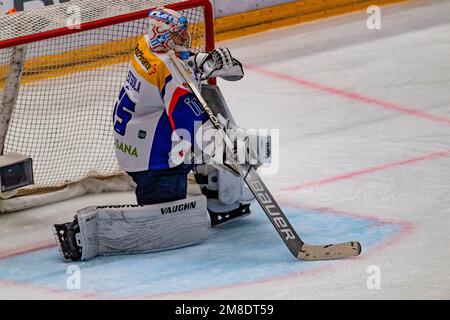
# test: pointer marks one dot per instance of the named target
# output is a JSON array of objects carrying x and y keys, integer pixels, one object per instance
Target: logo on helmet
[{"x": 167, "y": 30}]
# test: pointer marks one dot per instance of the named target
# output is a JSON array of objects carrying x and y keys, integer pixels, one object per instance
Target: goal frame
[{"x": 44, "y": 35}]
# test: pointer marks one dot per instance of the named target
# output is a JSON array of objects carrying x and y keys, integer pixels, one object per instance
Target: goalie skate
[
  {"x": 66, "y": 238},
  {"x": 219, "y": 219}
]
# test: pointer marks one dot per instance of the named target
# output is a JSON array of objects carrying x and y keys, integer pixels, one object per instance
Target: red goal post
[
  {"x": 126, "y": 17},
  {"x": 58, "y": 86}
]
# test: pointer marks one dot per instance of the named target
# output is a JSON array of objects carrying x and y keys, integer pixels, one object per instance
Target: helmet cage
[{"x": 168, "y": 30}]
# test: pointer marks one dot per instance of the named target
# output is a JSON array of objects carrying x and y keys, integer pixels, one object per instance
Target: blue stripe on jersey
[
  {"x": 184, "y": 113},
  {"x": 122, "y": 92},
  {"x": 159, "y": 154},
  {"x": 184, "y": 118},
  {"x": 163, "y": 91}
]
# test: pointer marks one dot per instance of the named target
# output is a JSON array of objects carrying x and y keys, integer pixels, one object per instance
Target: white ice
[{"x": 400, "y": 159}]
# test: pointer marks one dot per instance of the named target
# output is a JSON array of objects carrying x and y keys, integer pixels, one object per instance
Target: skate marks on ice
[{"x": 238, "y": 254}]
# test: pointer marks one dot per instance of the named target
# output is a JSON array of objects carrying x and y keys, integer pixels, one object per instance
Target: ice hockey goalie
[{"x": 158, "y": 124}]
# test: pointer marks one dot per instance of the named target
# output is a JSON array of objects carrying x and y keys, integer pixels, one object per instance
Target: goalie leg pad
[{"x": 141, "y": 229}]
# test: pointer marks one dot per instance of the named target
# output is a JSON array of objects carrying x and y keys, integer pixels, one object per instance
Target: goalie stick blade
[
  {"x": 284, "y": 228},
  {"x": 329, "y": 252}
]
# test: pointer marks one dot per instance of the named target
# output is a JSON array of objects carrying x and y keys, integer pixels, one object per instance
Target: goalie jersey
[{"x": 154, "y": 102}]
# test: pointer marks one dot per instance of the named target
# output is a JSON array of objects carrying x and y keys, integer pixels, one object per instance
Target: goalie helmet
[{"x": 168, "y": 29}]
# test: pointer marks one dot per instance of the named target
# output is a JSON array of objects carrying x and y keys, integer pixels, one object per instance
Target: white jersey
[{"x": 154, "y": 102}]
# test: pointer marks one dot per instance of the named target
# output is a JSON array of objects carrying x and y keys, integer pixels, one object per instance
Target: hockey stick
[{"x": 273, "y": 211}]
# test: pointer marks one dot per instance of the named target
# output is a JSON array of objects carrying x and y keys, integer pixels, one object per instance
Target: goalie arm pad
[{"x": 217, "y": 63}]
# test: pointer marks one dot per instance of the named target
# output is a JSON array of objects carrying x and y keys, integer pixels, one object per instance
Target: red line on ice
[
  {"x": 352, "y": 95},
  {"x": 42, "y": 288},
  {"x": 48, "y": 290},
  {"x": 357, "y": 173},
  {"x": 23, "y": 250}
]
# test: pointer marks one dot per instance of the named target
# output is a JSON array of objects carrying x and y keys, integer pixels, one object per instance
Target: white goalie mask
[{"x": 168, "y": 29}]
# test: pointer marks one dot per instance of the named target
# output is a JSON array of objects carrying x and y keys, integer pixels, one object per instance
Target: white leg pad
[{"x": 141, "y": 229}]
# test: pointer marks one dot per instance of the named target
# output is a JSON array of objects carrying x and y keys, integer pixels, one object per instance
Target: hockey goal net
[{"x": 61, "y": 68}]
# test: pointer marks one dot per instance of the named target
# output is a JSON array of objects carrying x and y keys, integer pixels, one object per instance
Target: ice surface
[{"x": 364, "y": 123}]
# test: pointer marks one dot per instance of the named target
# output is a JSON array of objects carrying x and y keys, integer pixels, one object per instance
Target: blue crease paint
[{"x": 241, "y": 252}]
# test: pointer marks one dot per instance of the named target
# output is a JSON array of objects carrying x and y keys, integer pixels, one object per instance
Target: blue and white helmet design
[{"x": 168, "y": 29}]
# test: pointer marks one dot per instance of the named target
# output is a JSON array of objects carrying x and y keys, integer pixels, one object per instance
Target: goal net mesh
[{"x": 62, "y": 116}]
